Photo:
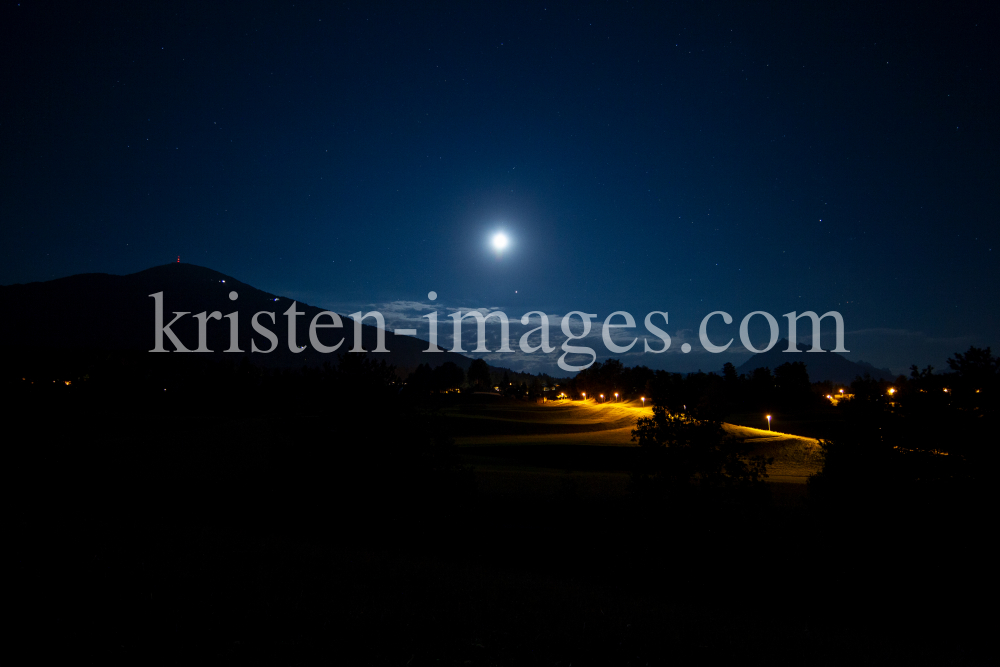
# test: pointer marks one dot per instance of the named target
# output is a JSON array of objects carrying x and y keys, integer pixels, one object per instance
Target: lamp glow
[{"x": 500, "y": 241}]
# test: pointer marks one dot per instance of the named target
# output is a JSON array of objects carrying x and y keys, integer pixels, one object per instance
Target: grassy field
[{"x": 583, "y": 447}]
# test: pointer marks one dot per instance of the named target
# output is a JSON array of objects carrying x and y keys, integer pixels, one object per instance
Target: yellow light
[
  {"x": 891, "y": 391},
  {"x": 841, "y": 391}
]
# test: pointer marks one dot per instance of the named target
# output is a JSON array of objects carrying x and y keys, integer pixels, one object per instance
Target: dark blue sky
[{"x": 714, "y": 156}]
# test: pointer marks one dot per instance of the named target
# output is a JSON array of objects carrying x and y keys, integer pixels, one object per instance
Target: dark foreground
[{"x": 176, "y": 534}]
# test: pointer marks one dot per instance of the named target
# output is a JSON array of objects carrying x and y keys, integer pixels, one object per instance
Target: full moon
[{"x": 500, "y": 241}]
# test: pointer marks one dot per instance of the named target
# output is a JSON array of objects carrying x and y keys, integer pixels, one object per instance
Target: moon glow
[{"x": 500, "y": 241}]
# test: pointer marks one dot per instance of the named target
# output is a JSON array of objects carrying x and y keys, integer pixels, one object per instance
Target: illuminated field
[
  {"x": 559, "y": 422},
  {"x": 795, "y": 457},
  {"x": 575, "y": 446},
  {"x": 563, "y": 416}
]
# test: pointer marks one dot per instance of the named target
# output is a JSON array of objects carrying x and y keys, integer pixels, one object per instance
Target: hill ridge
[
  {"x": 822, "y": 367},
  {"x": 109, "y": 312}
]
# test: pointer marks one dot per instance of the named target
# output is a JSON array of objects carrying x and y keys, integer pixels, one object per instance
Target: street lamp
[
  {"x": 616, "y": 395},
  {"x": 769, "y": 422},
  {"x": 584, "y": 395},
  {"x": 643, "y": 398},
  {"x": 602, "y": 398}
]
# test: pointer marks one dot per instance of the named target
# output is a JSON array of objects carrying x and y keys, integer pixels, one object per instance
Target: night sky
[{"x": 710, "y": 156}]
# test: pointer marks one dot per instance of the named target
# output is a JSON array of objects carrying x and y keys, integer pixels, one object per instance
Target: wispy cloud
[{"x": 413, "y": 315}]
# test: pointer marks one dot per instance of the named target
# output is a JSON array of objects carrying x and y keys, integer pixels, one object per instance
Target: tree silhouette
[
  {"x": 976, "y": 364},
  {"x": 729, "y": 373},
  {"x": 421, "y": 380},
  {"x": 791, "y": 384},
  {"x": 926, "y": 439},
  {"x": 479, "y": 373},
  {"x": 683, "y": 459},
  {"x": 448, "y": 376},
  {"x": 977, "y": 378}
]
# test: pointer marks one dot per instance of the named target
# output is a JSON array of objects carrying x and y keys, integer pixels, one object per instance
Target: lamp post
[
  {"x": 643, "y": 398},
  {"x": 769, "y": 422},
  {"x": 616, "y": 396},
  {"x": 602, "y": 398}
]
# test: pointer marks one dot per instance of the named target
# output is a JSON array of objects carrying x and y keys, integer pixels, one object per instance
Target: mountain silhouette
[
  {"x": 826, "y": 366},
  {"x": 103, "y": 312}
]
